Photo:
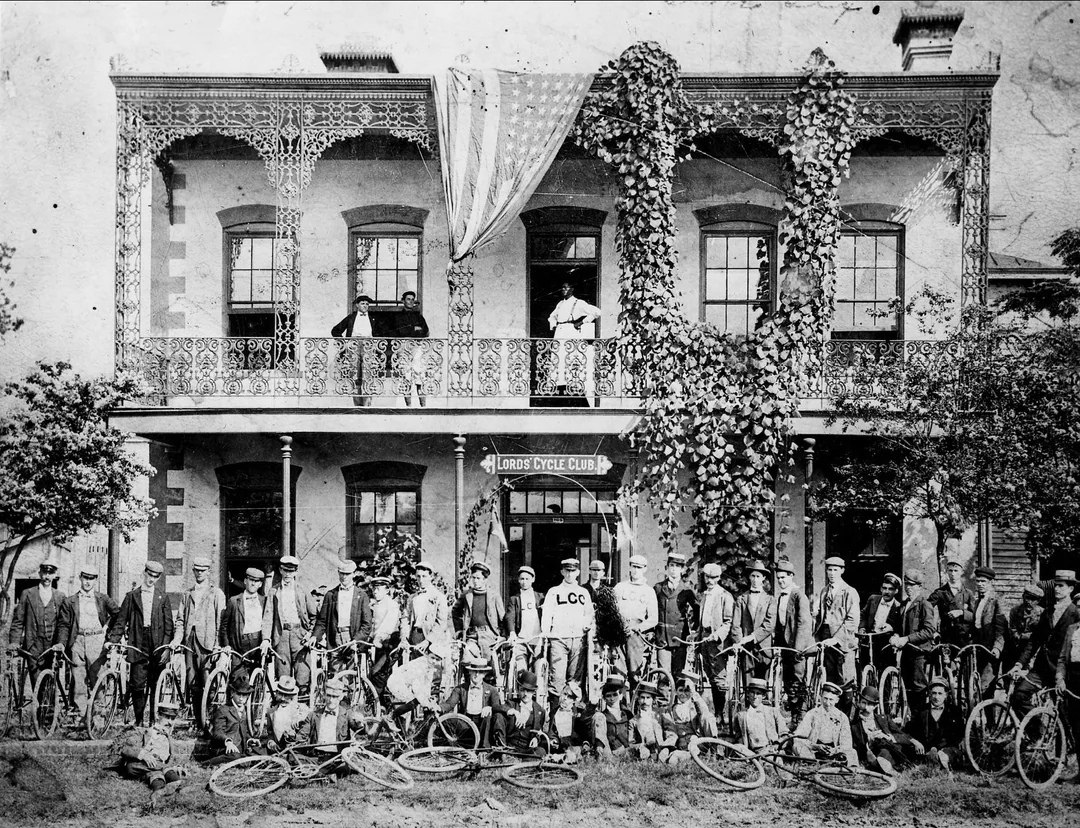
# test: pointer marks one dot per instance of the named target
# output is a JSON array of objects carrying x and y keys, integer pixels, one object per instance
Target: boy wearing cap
[
  {"x": 688, "y": 718},
  {"x": 146, "y": 618},
  {"x": 825, "y": 731},
  {"x": 717, "y": 609},
  {"x": 287, "y": 622},
  {"x": 794, "y": 629},
  {"x": 760, "y": 726},
  {"x": 597, "y": 571},
  {"x": 988, "y": 628},
  {"x": 517, "y": 722},
  {"x": 242, "y": 622},
  {"x": 145, "y": 753},
  {"x": 753, "y": 620},
  {"x": 479, "y": 614},
  {"x": 566, "y": 618},
  {"x": 345, "y": 615},
  {"x": 955, "y": 605},
  {"x": 36, "y": 619},
  {"x": 676, "y": 610},
  {"x": 879, "y": 743},
  {"x": 1023, "y": 618},
  {"x": 636, "y": 601},
  {"x": 915, "y": 637},
  {"x": 522, "y": 622},
  {"x": 938, "y": 730},
  {"x": 385, "y": 621},
  {"x": 200, "y": 614},
  {"x": 1040, "y": 657},
  {"x": 84, "y": 618},
  {"x": 836, "y": 623}
]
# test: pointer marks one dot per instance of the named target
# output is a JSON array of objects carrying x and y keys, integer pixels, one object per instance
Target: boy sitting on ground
[
  {"x": 517, "y": 723},
  {"x": 145, "y": 753},
  {"x": 288, "y": 716},
  {"x": 825, "y": 732},
  {"x": 688, "y": 719},
  {"x": 568, "y": 731},
  {"x": 612, "y": 719},
  {"x": 648, "y": 733},
  {"x": 760, "y": 726}
]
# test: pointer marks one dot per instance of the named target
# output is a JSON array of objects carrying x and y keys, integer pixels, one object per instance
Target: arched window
[
  {"x": 380, "y": 497},
  {"x": 250, "y": 256},
  {"x": 385, "y": 253}
]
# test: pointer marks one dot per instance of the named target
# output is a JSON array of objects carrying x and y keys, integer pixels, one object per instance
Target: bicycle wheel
[
  {"x": 893, "y": 696},
  {"x": 868, "y": 677},
  {"x": 167, "y": 689},
  {"x": 542, "y": 776},
  {"x": 258, "y": 706},
  {"x": 453, "y": 730},
  {"x": 368, "y": 700},
  {"x": 542, "y": 679},
  {"x": 814, "y": 684},
  {"x": 213, "y": 696},
  {"x": 990, "y": 736},
  {"x": 250, "y": 776},
  {"x": 1040, "y": 747},
  {"x": 970, "y": 688},
  {"x": 46, "y": 704},
  {"x": 378, "y": 769},
  {"x": 726, "y": 762},
  {"x": 854, "y": 783},
  {"x": 104, "y": 702},
  {"x": 7, "y": 701},
  {"x": 441, "y": 761}
]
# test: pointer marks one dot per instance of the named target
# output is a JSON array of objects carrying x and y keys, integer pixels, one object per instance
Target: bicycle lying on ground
[
  {"x": 741, "y": 769},
  {"x": 251, "y": 776}
]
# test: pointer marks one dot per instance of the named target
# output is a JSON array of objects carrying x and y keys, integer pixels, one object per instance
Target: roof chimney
[
  {"x": 352, "y": 60},
  {"x": 925, "y": 35}
]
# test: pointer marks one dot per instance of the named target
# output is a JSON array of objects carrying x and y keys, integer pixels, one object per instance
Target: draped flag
[{"x": 498, "y": 134}]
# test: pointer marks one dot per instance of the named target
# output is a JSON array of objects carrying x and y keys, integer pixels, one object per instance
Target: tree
[
  {"x": 63, "y": 468},
  {"x": 9, "y": 322},
  {"x": 982, "y": 425}
]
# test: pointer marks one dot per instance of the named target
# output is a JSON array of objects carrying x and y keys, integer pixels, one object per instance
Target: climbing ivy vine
[{"x": 717, "y": 408}]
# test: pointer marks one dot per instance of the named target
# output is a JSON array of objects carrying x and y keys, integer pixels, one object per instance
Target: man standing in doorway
[
  {"x": 566, "y": 618},
  {"x": 637, "y": 606},
  {"x": 242, "y": 621},
  {"x": 84, "y": 619},
  {"x": 200, "y": 618},
  {"x": 676, "y": 608},
  {"x": 146, "y": 618},
  {"x": 571, "y": 322}
]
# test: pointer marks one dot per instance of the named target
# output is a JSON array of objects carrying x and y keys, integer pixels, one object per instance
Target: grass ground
[{"x": 57, "y": 792}]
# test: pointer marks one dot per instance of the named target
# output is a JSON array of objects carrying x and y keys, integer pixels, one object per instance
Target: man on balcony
[
  {"x": 411, "y": 362},
  {"x": 572, "y": 366},
  {"x": 359, "y": 325}
]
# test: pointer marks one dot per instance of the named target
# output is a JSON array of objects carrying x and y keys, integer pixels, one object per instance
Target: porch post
[
  {"x": 808, "y": 521},
  {"x": 459, "y": 501},
  {"x": 286, "y": 493}
]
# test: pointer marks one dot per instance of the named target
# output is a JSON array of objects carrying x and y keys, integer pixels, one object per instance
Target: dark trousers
[
  {"x": 197, "y": 666},
  {"x": 715, "y": 666},
  {"x": 506, "y": 732},
  {"x": 913, "y": 673},
  {"x": 141, "y": 681},
  {"x": 246, "y": 643}
]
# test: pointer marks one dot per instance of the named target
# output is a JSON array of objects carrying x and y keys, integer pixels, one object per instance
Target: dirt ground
[{"x": 39, "y": 792}]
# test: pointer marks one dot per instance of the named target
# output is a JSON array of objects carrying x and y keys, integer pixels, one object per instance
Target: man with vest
[
  {"x": 636, "y": 601},
  {"x": 84, "y": 619},
  {"x": 523, "y": 620},
  {"x": 955, "y": 605},
  {"x": 794, "y": 629},
  {"x": 566, "y": 619},
  {"x": 345, "y": 614},
  {"x": 879, "y": 621},
  {"x": 836, "y": 622},
  {"x": 988, "y": 626},
  {"x": 427, "y": 613},
  {"x": 676, "y": 609},
  {"x": 200, "y": 617},
  {"x": 478, "y": 615},
  {"x": 242, "y": 622},
  {"x": 37, "y": 616},
  {"x": 287, "y": 623},
  {"x": 146, "y": 618}
]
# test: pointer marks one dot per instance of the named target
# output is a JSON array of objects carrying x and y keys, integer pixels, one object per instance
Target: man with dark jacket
[
  {"x": 880, "y": 615},
  {"x": 345, "y": 615},
  {"x": 988, "y": 627},
  {"x": 915, "y": 637},
  {"x": 955, "y": 605},
  {"x": 230, "y": 731},
  {"x": 359, "y": 325},
  {"x": 242, "y": 621},
  {"x": 475, "y": 698},
  {"x": 938, "y": 730},
  {"x": 1040, "y": 657},
  {"x": 1023, "y": 619},
  {"x": 794, "y": 629},
  {"x": 84, "y": 619},
  {"x": 676, "y": 609},
  {"x": 878, "y": 742},
  {"x": 522, "y": 621},
  {"x": 478, "y": 615},
  {"x": 516, "y": 722},
  {"x": 408, "y": 324},
  {"x": 36, "y": 619},
  {"x": 287, "y": 622},
  {"x": 753, "y": 621},
  {"x": 146, "y": 618}
]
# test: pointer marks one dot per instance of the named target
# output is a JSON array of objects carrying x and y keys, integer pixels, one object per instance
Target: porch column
[
  {"x": 286, "y": 493},
  {"x": 459, "y": 501},
  {"x": 808, "y": 521}
]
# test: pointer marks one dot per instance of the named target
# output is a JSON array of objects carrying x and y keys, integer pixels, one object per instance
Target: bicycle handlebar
[
  {"x": 986, "y": 650},
  {"x": 817, "y": 647},
  {"x": 174, "y": 647},
  {"x": 350, "y": 645}
]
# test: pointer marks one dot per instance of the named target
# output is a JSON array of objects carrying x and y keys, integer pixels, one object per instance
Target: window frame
[
  {"x": 875, "y": 228},
  {"x": 380, "y": 478},
  {"x": 386, "y": 230},
  {"x": 737, "y": 228}
]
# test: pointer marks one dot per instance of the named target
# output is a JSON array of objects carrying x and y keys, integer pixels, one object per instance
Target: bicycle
[
  {"x": 736, "y": 696},
  {"x": 815, "y": 671},
  {"x": 743, "y": 770},
  {"x": 16, "y": 708},
  {"x": 263, "y": 684},
  {"x": 694, "y": 661},
  {"x": 438, "y": 730},
  {"x": 869, "y": 675},
  {"x": 110, "y": 694},
  {"x": 251, "y": 776},
  {"x": 171, "y": 685},
  {"x": 990, "y": 732},
  {"x": 969, "y": 690},
  {"x": 215, "y": 689},
  {"x": 359, "y": 691},
  {"x": 51, "y": 693},
  {"x": 506, "y": 673},
  {"x": 1044, "y": 741},
  {"x": 662, "y": 678},
  {"x": 774, "y": 676},
  {"x": 892, "y": 692}
]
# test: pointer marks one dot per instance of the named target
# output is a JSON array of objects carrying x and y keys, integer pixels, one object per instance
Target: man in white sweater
[
  {"x": 566, "y": 619},
  {"x": 637, "y": 604}
]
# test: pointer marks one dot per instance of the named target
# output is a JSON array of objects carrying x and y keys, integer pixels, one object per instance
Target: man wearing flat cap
[
  {"x": 717, "y": 609},
  {"x": 879, "y": 621},
  {"x": 566, "y": 618},
  {"x": 427, "y": 614},
  {"x": 288, "y": 622},
  {"x": 676, "y": 613},
  {"x": 200, "y": 615},
  {"x": 636, "y": 601},
  {"x": 988, "y": 627},
  {"x": 1023, "y": 618},
  {"x": 794, "y": 629},
  {"x": 522, "y": 622},
  {"x": 914, "y": 638},
  {"x": 84, "y": 619},
  {"x": 385, "y": 623},
  {"x": 479, "y": 614},
  {"x": 37, "y": 616},
  {"x": 346, "y": 613},
  {"x": 824, "y": 731},
  {"x": 955, "y": 604},
  {"x": 146, "y": 618},
  {"x": 1040, "y": 657},
  {"x": 837, "y": 622},
  {"x": 753, "y": 621},
  {"x": 242, "y": 621}
]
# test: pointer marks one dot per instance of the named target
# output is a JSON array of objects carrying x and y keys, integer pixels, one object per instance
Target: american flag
[{"x": 499, "y": 132}]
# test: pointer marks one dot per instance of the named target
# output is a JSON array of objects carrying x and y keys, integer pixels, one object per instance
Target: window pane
[
  {"x": 754, "y": 314},
  {"x": 715, "y": 285},
  {"x": 262, "y": 254},
  {"x": 736, "y": 320},
  {"x": 517, "y": 502},
  {"x": 759, "y": 247},
  {"x": 386, "y": 286},
  {"x": 607, "y": 502},
  {"x": 364, "y": 541},
  {"x": 737, "y": 285},
  {"x": 716, "y": 251},
  {"x": 408, "y": 253},
  {"x": 536, "y": 503},
  {"x": 388, "y": 253},
  {"x": 586, "y": 247},
  {"x": 365, "y": 252},
  {"x": 570, "y": 501},
  {"x": 367, "y": 508},
  {"x": 588, "y": 503},
  {"x": 553, "y": 499},
  {"x": 406, "y": 507},
  {"x": 365, "y": 282},
  {"x": 407, "y": 527},
  {"x": 738, "y": 255},
  {"x": 886, "y": 251},
  {"x": 865, "y": 283},
  {"x": 845, "y": 285},
  {"x": 240, "y": 287},
  {"x": 262, "y": 286},
  {"x": 384, "y": 507},
  {"x": 241, "y": 253},
  {"x": 845, "y": 254},
  {"x": 716, "y": 315},
  {"x": 407, "y": 281},
  {"x": 886, "y": 283},
  {"x": 865, "y": 251}
]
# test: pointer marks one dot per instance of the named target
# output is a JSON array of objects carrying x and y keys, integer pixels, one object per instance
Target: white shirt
[
  {"x": 568, "y": 611},
  {"x": 385, "y": 617},
  {"x": 344, "y": 606},
  {"x": 781, "y": 607},
  {"x": 881, "y": 617},
  {"x": 88, "y": 616},
  {"x": 252, "y": 614},
  {"x": 287, "y": 604},
  {"x": 146, "y": 596},
  {"x": 362, "y": 326},
  {"x": 637, "y": 604},
  {"x": 561, "y": 319},
  {"x": 530, "y": 614}
]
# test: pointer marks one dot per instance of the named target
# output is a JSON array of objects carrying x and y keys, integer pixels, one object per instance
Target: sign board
[{"x": 588, "y": 464}]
